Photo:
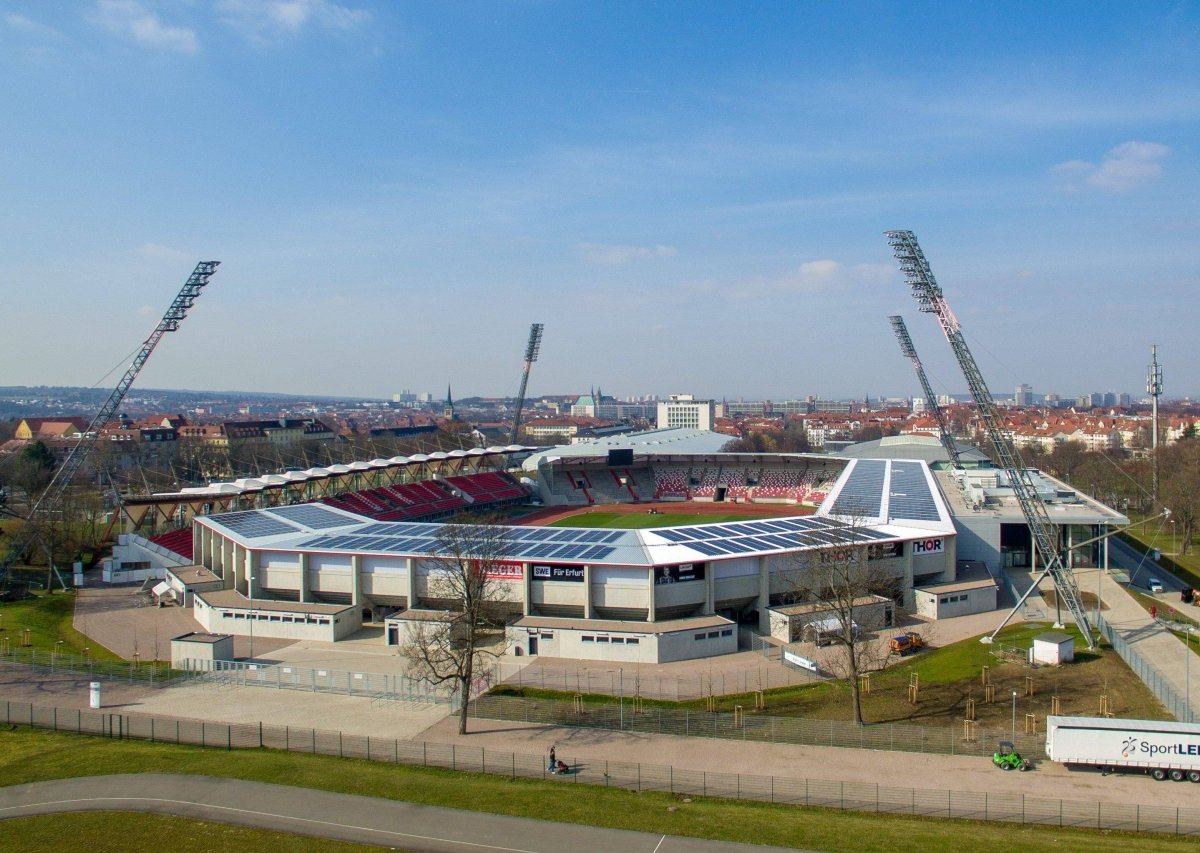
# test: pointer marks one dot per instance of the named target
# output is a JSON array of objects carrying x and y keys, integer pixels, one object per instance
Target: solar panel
[
  {"x": 536, "y": 535},
  {"x": 566, "y": 535},
  {"x": 312, "y": 515},
  {"x": 572, "y": 552},
  {"x": 592, "y": 536},
  {"x": 673, "y": 535},
  {"x": 253, "y": 524},
  {"x": 708, "y": 548},
  {"x": 862, "y": 492},
  {"x": 744, "y": 529},
  {"x": 909, "y": 496},
  {"x": 597, "y": 553}
]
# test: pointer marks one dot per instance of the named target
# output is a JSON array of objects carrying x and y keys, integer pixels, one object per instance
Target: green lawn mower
[{"x": 1008, "y": 758}]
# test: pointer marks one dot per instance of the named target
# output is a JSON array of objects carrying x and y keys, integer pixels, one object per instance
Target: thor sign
[{"x": 925, "y": 547}]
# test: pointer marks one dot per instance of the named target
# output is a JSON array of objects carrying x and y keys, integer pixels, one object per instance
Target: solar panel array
[
  {"x": 780, "y": 534},
  {"x": 534, "y": 543},
  {"x": 909, "y": 496},
  {"x": 312, "y": 516},
  {"x": 253, "y": 524},
  {"x": 862, "y": 493}
]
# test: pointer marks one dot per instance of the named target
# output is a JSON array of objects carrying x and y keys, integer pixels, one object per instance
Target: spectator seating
[
  {"x": 670, "y": 483},
  {"x": 178, "y": 541},
  {"x": 708, "y": 484}
]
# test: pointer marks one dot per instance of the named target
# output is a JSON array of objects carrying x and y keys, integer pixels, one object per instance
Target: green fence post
[
  {"x": 340, "y": 753},
  {"x": 260, "y": 734},
  {"x": 228, "y": 738}
]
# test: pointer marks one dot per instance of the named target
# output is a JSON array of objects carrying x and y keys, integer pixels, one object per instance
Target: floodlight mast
[
  {"x": 531, "y": 355},
  {"x": 910, "y": 352},
  {"x": 53, "y": 494},
  {"x": 929, "y": 296}
]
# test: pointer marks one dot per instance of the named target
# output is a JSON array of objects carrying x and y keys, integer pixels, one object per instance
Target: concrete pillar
[
  {"x": 356, "y": 580},
  {"x": 910, "y": 601},
  {"x": 305, "y": 592},
  {"x": 527, "y": 578},
  {"x": 588, "y": 611},
  {"x": 249, "y": 564},
  {"x": 652, "y": 608},
  {"x": 710, "y": 589},
  {"x": 764, "y": 593},
  {"x": 412, "y": 582}
]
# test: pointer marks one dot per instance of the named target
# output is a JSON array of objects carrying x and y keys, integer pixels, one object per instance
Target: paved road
[{"x": 338, "y": 816}]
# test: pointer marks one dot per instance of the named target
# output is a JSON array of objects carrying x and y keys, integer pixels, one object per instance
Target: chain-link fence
[
  {"x": 1176, "y": 703},
  {"x": 374, "y": 685},
  {"x": 627, "y": 716},
  {"x": 151, "y": 673},
  {"x": 856, "y": 796}
]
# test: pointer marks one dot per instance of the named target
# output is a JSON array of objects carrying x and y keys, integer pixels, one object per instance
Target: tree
[
  {"x": 33, "y": 469},
  {"x": 1179, "y": 488},
  {"x": 843, "y": 583},
  {"x": 1065, "y": 458},
  {"x": 453, "y": 646}
]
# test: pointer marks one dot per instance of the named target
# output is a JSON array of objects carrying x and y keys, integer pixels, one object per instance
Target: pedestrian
[
  {"x": 1153, "y": 615},
  {"x": 553, "y": 763}
]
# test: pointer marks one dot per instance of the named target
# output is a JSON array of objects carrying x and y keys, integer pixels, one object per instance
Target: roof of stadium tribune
[{"x": 873, "y": 501}]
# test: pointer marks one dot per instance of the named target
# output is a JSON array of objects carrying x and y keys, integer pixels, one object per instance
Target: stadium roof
[
  {"x": 927, "y": 448},
  {"x": 676, "y": 440},
  {"x": 901, "y": 496}
]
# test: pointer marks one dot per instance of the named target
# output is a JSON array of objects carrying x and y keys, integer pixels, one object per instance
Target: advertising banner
[{"x": 572, "y": 574}]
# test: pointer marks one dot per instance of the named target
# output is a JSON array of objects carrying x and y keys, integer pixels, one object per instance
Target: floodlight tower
[
  {"x": 929, "y": 296},
  {"x": 1154, "y": 388},
  {"x": 910, "y": 352},
  {"x": 54, "y": 492},
  {"x": 531, "y": 355}
]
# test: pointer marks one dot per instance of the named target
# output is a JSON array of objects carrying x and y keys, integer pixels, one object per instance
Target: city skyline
[{"x": 691, "y": 201}]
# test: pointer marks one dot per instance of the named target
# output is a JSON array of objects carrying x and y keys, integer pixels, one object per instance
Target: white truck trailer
[{"x": 1164, "y": 750}]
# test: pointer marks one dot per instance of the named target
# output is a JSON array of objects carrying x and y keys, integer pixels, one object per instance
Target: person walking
[{"x": 553, "y": 763}]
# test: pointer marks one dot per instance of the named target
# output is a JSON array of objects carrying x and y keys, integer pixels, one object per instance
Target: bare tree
[
  {"x": 851, "y": 590},
  {"x": 465, "y": 576}
]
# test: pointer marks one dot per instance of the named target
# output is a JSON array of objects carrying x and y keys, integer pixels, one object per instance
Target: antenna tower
[{"x": 1154, "y": 388}]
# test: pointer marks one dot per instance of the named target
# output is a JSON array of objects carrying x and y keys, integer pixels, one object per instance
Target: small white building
[
  {"x": 1053, "y": 648},
  {"x": 197, "y": 651},
  {"x": 974, "y": 591},
  {"x": 228, "y": 610},
  {"x": 619, "y": 641}
]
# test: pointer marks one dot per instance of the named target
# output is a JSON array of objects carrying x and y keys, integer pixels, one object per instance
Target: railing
[
  {"x": 374, "y": 685},
  {"x": 855, "y": 796},
  {"x": 623, "y": 716},
  {"x": 1178, "y": 705}
]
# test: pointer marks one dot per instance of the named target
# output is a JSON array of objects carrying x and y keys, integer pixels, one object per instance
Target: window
[
  {"x": 698, "y": 637},
  {"x": 728, "y": 632},
  {"x": 602, "y": 639},
  {"x": 712, "y": 635},
  {"x": 944, "y": 599},
  {"x": 619, "y": 640},
  {"x": 588, "y": 639},
  {"x": 547, "y": 636},
  {"x": 632, "y": 641}
]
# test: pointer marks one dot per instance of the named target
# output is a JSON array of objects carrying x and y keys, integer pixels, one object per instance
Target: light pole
[{"x": 1014, "y": 727}]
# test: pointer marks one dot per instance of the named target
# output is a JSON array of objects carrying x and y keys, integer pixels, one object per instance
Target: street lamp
[{"x": 1014, "y": 721}]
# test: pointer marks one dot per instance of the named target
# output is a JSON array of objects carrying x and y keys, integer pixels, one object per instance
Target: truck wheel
[
  {"x": 1159, "y": 774},
  {"x": 1194, "y": 775},
  {"x": 1006, "y": 766},
  {"x": 1023, "y": 766},
  {"x": 1177, "y": 776}
]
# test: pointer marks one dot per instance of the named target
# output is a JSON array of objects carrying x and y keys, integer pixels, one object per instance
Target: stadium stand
[
  {"x": 708, "y": 484},
  {"x": 431, "y": 498},
  {"x": 178, "y": 541},
  {"x": 671, "y": 483}
]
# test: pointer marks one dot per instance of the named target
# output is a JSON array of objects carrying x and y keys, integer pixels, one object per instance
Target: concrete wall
[
  {"x": 934, "y": 605},
  {"x": 279, "y": 625}
]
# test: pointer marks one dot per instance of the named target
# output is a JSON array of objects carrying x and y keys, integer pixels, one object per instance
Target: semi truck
[{"x": 1163, "y": 750}]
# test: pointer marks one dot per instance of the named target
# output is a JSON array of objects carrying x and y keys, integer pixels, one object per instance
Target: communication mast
[
  {"x": 54, "y": 492},
  {"x": 1154, "y": 388},
  {"x": 910, "y": 352},
  {"x": 531, "y": 355},
  {"x": 929, "y": 296}
]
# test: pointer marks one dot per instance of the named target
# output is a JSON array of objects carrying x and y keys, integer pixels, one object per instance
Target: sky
[{"x": 690, "y": 196}]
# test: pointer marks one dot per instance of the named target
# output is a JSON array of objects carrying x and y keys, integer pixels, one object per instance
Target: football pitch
[{"x": 633, "y": 520}]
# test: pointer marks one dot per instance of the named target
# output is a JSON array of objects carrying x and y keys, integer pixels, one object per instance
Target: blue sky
[{"x": 691, "y": 196}]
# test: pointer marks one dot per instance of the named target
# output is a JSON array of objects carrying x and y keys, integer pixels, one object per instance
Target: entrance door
[
  {"x": 720, "y": 495},
  {"x": 533, "y": 645},
  {"x": 393, "y": 635}
]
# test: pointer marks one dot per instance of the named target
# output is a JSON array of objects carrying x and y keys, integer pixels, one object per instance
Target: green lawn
[
  {"x": 99, "y": 832},
  {"x": 27, "y": 756},
  {"x": 48, "y": 618}
]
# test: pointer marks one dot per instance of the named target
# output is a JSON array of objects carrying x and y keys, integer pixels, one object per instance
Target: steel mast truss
[
  {"x": 910, "y": 352},
  {"x": 61, "y": 481},
  {"x": 531, "y": 355},
  {"x": 929, "y": 296}
]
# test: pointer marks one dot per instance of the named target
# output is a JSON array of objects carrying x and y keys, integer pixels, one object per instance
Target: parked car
[{"x": 1154, "y": 585}]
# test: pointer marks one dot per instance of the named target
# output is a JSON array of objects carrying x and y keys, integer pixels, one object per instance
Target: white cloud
[
  {"x": 1125, "y": 167},
  {"x": 28, "y": 26},
  {"x": 158, "y": 252},
  {"x": 131, "y": 19},
  {"x": 610, "y": 255},
  {"x": 264, "y": 20}
]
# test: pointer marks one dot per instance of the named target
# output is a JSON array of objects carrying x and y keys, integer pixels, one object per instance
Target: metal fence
[
  {"x": 626, "y": 716},
  {"x": 855, "y": 796},
  {"x": 151, "y": 673},
  {"x": 374, "y": 685},
  {"x": 1176, "y": 703},
  {"x": 615, "y": 678}
]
